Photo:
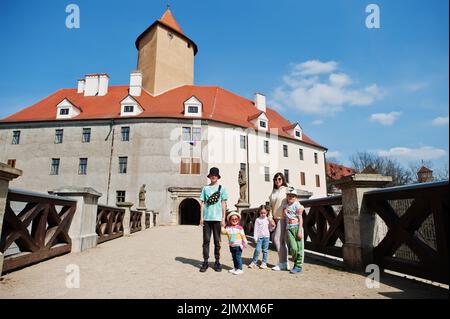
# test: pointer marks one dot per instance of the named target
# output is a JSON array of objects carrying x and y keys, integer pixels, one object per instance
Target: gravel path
[{"x": 163, "y": 262}]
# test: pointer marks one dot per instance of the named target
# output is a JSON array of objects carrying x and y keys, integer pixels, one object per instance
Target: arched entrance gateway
[{"x": 189, "y": 211}]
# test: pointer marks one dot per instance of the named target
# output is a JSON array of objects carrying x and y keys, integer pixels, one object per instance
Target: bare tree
[{"x": 383, "y": 165}]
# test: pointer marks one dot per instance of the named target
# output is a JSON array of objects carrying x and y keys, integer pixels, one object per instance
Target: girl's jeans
[
  {"x": 236, "y": 252},
  {"x": 264, "y": 244}
]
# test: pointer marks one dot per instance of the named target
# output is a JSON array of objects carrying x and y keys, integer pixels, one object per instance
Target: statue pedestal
[{"x": 240, "y": 206}]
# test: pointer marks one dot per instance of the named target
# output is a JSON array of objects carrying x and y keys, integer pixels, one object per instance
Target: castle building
[{"x": 160, "y": 130}]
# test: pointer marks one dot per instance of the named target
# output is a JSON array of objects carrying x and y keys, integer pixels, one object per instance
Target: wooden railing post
[
  {"x": 7, "y": 174},
  {"x": 82, "y": 231},
  {"x": 360, "y": 224},
  {"x": 127, "y": 216}
]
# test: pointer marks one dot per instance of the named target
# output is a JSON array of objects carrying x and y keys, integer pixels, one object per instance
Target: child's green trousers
[{"x": 296, "y": 247}]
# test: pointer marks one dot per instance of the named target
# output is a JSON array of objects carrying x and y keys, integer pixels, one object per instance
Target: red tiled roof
[
  {"x": 290, "y": 127},
  {"x": 218, "y": 105},
  {"x": 170, "y": 21},
  {"x": 336, "y": 172},
  {"x": 424, "y": 169},
  {"x": 254, "y": 116}
]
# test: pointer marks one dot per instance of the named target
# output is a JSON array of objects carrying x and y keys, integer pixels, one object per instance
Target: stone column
[
  {"x": 126, "y": 217},
  {"x": 143, "y": 210},
  {"x": 241, "y": 206},
  {"x": 155, "y": 218},
  {"x": 7, "y": 174},
  {"x": 82, "y": 231},
  {"x": 360, "y": 224}
]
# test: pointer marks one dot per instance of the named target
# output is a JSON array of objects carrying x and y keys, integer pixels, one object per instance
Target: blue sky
[{"x": 351, "y": 88}]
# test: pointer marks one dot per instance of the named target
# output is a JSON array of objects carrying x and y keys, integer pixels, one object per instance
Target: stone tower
[{"x": 166, "y": 56}]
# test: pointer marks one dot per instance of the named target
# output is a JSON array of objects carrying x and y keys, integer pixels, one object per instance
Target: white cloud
[
  {"x": 317, "y": 122},
  {"x": 314, "y": 67},
  {"x": 333, "y": 154},
  {"x": 440, "y": 121},
  {"x": 314, "y": 87},
  {"x": 423, "y": 153},
  {"x": 385, "y": 118},
  {"x": 414, "y": 87}
]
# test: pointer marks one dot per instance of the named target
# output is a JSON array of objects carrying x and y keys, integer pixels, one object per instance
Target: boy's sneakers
[
  {"x": 296, "y": 270},
  {"x": 238, "y": 272},
  {"x": 217, "y": 266},
  {"x": 204, "y": 266},
  {"x": 282, "y": 266},
  {"x": 231, "y": 271},
  {"x": 252, "y": 265},
  {"x": 263, "y": 266}
]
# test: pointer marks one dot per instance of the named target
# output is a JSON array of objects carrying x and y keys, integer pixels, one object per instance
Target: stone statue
[
  {"x": 142, "y": 192},
  {"x": 242, "y": 187}
]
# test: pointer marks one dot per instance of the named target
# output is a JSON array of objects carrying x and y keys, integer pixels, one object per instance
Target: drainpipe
[
  {"x": 111, "y": 130},
  {"x": 248, "y": 171}
]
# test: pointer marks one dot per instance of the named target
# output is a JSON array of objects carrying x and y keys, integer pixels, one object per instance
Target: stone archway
[{"x": 189, "y": 212}]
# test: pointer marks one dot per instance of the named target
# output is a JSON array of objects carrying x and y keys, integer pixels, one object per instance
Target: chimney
[
  {"x": 260, "y": 102},
  {"x": 91, "y": 86},
  {"x": 81, "y": 84},
  {"x": 135, "y": 83},
  {"x": 103, "y": 84}
]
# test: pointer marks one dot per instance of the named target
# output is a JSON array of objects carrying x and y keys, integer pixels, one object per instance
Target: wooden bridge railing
[
  {"x": 425, "y": 201},
  {"x": 109, "y": 223},
  {"x": 323, "y": 225},
  {"x": 135, "y": 221},
  {"x": 39, "y": 230}
]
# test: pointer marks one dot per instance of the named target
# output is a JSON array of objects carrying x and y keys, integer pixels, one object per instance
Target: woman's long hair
[{"x": 282, "y": 178}]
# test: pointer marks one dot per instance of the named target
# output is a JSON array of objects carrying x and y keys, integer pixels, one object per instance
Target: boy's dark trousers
[{"x": 215, "y": 228}]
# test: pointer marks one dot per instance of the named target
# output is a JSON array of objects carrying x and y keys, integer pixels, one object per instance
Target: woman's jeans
[
  {"x": 236, "y": 252},
  {"x": 263, "y": 243}
]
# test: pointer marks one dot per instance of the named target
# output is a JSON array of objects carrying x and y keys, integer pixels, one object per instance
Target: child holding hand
[
  {"x": 237, "y": 241},
  {"x": 261, "y": 235}
]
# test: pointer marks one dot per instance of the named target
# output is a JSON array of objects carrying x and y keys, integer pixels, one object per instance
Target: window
[
  {"x": 243, "y": 142},
  {"x": 59, "y": 136},
  {"x": 55, "y": 166},
  {"x": 186, "y": 134},
  {"x": 196, "y": 134},
  {"x": 12, "y": 163},
  {"x": 190, "y": 166},
  {"x": 301, "y": 154},
  {"x": 64, "y": 112},
  {"x": 184, "y": 165},
  {"x": 316, "y": 158},
  {"x": 243, "y": 167},
  {"x": 16, "y": 137},
  {"x": 129, "y": 109},
  {"x": 297, "y": 133},
  {"x": 266, "y": 147},
  {"x": 86, "y": 135},
  {"x": 317, "y": 181},
  {"x": 286, "y": 175},
  {"x": 193, "y": 109},
  {"x": 125, "y": 134},
  {"x": 195, "y": 166},
  {"x": 263, "y": 124},
  {"x": 267, "y": 174},
  {"x": 120, "y": 196},
  {"x": 302, "y": 178},
  {"x": 123, "y": 163},
  {"x": 285, "y": 151},
  {"x": 82, "y": 169}
]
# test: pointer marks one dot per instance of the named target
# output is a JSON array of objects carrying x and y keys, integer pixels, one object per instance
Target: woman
[{"x": 277, "y": 199}]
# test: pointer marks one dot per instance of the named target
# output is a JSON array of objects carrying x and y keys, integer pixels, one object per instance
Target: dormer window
[
  {"x": 259, "y": 120},
  {"x": 294, "y": 130},
  {"x": 263, "y": 124},
  {"x": 67, "y": 110},
  {"x": 130, "y": 107},
  {"x": 193, "y": 107}
]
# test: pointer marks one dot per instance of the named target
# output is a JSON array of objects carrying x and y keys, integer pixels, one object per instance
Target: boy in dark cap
[{"x": 212, "y": 216}]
